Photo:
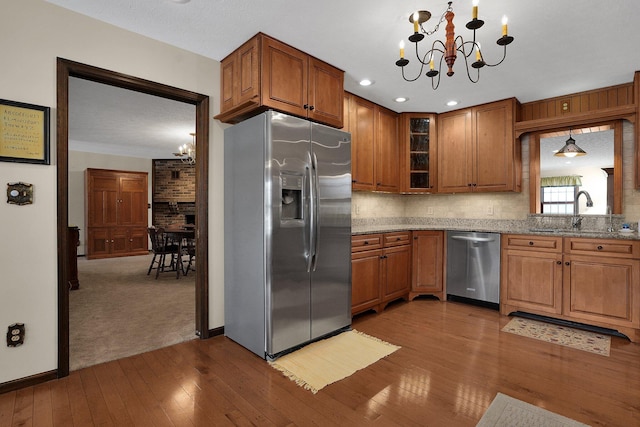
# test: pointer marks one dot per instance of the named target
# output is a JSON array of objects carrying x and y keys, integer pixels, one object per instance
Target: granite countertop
[{"x": 495, "y": 226}]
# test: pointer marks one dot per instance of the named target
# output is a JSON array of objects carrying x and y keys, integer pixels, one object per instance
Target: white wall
[
  {"x": 78, "y": 163},
  {"x": 33, "y": 34}
]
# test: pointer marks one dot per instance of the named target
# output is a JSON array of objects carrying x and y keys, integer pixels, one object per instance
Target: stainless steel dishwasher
[{"x": 473, "y": 267}]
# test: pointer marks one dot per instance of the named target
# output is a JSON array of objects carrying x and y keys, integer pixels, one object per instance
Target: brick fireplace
[{"x": 174, "y": 193}]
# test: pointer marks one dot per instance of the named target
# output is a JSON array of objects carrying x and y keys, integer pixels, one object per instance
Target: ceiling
[
  {"x": 560, "y": 47},
  {"x": 109, "y": 120}
]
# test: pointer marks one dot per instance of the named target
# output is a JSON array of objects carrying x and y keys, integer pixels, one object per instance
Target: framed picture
[{"x": 24, "y": 132}]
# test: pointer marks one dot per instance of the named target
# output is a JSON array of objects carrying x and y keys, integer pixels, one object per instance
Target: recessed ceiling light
[
  {"x": 366, "y": 82},
  {"x": 181, "y": 1},
  {"x": 452, "y": 103},
  {"x": 401, "y": 99}
]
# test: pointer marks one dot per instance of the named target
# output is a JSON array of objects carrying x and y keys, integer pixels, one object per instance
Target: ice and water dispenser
[{"x": 292, "y": 197}]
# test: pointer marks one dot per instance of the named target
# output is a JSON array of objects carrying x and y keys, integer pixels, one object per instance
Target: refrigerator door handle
[
  {"x": 315, "y": 197},
  {"x": 310, "y": 222}
]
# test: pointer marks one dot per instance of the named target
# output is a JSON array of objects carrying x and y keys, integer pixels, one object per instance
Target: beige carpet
[
  {"x": 505, "y": 411},
  {"x": 119, "y": 311},
  {"x": 327, "y": 361},
  {"x": 562, "y": 335}
]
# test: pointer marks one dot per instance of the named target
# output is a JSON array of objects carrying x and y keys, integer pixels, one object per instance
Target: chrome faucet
[
  {"x": 610, "y": 213},
  {"x": 576, "y": 222}
]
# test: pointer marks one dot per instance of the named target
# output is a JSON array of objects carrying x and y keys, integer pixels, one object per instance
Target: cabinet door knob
[
  {"x": 397, "y": 239},
  {"x": 599, "y": 248},
  {"x": 415, "y": 237},
  {"x": 311, "y": 108},
  {"x": 559, "y": 262},
  {"x": 353, "y": 181},
  {"x": 530, "y": 243},
  {"x": 305, "y": 106},
  {"x": 567, "y": 263},
  {"x": 366, "y": 242}
]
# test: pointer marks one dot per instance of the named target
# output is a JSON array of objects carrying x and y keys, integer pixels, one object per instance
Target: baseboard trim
[
  {"x": 28, "y": 381},
  {"x": 215, "y": 332}
]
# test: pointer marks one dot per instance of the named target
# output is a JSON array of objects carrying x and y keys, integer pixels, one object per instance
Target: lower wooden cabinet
[
  {"x": 427, "y": 264},
  {"x": 380, "y": 270},
  {"x": 107, "y": 242},
  {"x": 592, "y": 281}
]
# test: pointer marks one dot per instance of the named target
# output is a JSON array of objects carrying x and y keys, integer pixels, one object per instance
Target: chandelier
[
  {"x": 447, "y": 51},
  {"x": 187, "y": 152}
]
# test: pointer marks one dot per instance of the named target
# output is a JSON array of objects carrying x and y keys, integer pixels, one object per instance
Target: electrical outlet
[
  {"x": 357, "y": 209},
  {"x": 430, "y": 210},
  {"x": 15, "y": 335},
  {"x": 490, "y": 210}
]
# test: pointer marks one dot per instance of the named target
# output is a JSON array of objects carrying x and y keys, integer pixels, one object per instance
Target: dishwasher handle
[{"x": 474, "y": 239}]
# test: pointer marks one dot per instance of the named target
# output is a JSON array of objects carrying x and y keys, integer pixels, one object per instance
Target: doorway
[{"x": 67, "y": 69}]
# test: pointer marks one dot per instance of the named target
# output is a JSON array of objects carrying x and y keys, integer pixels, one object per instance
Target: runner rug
[
  {"x": 505, "y": 411},
  {"x": 333, "y": 359},
  {"x": 563, "y": 335}
]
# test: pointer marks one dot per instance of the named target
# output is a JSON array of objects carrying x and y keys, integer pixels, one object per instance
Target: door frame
[{"x": 66, "y": 69}]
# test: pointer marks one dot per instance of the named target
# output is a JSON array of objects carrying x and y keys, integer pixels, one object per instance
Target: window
[{"x": 558, "y": 200}]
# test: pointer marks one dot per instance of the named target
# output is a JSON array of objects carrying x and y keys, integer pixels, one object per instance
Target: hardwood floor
[{"x": 453, "y": 361}]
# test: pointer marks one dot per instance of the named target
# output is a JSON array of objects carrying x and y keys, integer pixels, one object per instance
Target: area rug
[
  {"x": 563, "y": 335},
  {"x": 327, "y": 361},
  {"x": 505, "y": 411}
]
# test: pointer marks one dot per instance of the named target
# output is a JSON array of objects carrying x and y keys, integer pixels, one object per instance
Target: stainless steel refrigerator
[{"x": 287, "y": 217}]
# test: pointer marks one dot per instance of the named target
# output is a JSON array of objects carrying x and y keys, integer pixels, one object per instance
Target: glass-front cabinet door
[{"x": 420, "y": 155}]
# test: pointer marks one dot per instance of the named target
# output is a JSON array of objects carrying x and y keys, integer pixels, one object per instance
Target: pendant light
[{"x": 570, "y": 149}]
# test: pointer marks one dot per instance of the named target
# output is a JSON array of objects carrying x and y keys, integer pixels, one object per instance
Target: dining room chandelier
[
  {"x": 447, "y": 51},
  {"x": 187, "y": 152}
]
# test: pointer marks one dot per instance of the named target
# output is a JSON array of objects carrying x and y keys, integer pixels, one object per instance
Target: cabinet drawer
[
  {"x": 603, "y": 247},
  {"x": 397, "y": 239},
  {"x": 537, "y": 243},
  {"x": 366, "y": 242}
]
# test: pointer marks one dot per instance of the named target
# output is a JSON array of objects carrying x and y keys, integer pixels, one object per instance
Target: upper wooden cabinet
[
  {"x": 265, "y": 73},
  {"x": 375, "y": 149},
  {"x": 418, "y": 152},
  {"x": 387, "y": 151},
  {"x": 360, "y": 116},
  {"x": 477, "y": 149}
]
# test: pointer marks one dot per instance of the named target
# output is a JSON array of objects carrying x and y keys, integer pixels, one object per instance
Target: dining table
[{"x": 181, "y": 235}]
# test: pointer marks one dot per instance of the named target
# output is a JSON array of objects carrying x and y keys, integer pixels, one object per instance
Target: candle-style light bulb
[
  {"x": 474, "y": 14},
  {"x": 431, "y": 61},
  {"x": 416, "y": 17},
  {"x": 401, "y": 49},
  {"x": 478, "y": 55},
  {"x": 504, "y": 25}
]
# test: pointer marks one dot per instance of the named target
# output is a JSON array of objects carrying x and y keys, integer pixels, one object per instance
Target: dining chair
[{"x": 161, "y": 246}]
